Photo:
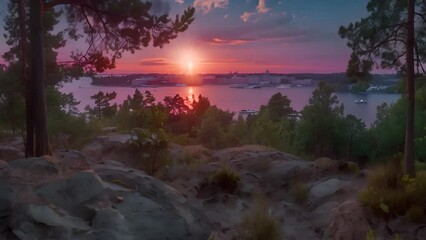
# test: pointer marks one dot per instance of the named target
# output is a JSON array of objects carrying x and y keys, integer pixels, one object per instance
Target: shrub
[
  {"x": 353, "y": 168},
  {"x": 370, "y": 235},
  {"x": 226, "y": 179},
  {"x": 415, "y": 214},
  {"x": 259, "y": 224},
  {"x": 389, "y": 193},
  {"x": 299, "y": 191},
  {"x": 151, "y": 148}
]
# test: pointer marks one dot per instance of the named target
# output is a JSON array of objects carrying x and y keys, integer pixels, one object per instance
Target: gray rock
[
  {"x": 321, "y": 216},
  {"x": 349, "y": 221},
  {"x": 164, "y": 199},
  {"x": 39, "y": 165},
  {"x": 39, "y": 222},
  {"x": 281, "y": 172},
  {"x": 75, "y": 194},
  {"x": 325, "y": 189},
  {"x": 109, "y": 224},
  {"x": 7, "y": 197},
  {"x": 9, "y": 153}
]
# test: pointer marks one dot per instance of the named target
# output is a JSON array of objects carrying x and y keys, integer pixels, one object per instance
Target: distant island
[{"x": 382, "y": 83}]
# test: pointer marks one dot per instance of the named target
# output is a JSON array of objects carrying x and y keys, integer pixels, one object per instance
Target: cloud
[
  {"x": 180, "y": 1},
  {"x": 246, "y": 16},
  {"x": 261, "y": 7},
  {"x": 222, "y": 41},
  {"x": 207, "y": 5},
  {"x": 155, "y": 62},
  {"x": 275, "y": 27}
]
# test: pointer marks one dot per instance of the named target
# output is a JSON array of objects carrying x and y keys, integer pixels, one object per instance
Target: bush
[
  {"x": 226, "y": 179},
  {"x": 300, "y": 191},
  {"x": 415, "y": 214},
  {"x": 151, "y": 148},
  {"x": 259, "y": 224},
  {"x": 389, "y": 193}
]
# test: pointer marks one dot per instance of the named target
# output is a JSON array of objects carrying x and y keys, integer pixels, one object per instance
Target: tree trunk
[
  {"x": 409, "y": 133},
  {"x": 37, "y": 80},
  {"x": 29, "y": 143}
]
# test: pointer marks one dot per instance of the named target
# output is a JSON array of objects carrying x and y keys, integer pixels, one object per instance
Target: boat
[
  {"x": 249, "y": 112},
  {"x": 360, "y": 101},
  {"x": 284, "y": 86},
  {"x": 238, "y": 86}
]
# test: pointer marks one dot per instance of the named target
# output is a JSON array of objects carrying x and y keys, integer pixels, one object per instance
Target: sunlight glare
[{"x": 190, "y": 67}]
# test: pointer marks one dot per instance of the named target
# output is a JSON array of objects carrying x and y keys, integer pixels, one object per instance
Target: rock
[
  {"x": 164, "y": 203},
  {"x": 3, "y": 164},
  {"x": 9, "y": 153},
  {"x": 37, "y": 222},
  {"x": 325, "y": 189},
  {"x": 321, "y": 216},
  {"x": 7, "y": 197},
  {"x": 79, "y": 205},
  {"x": 108, "y": 147},
  {"x": 109, "y": 129},
  {"x": 109, "y": 224},
  {"x": 349, "y": 221},
  {"x": 76, "y": 193},
  {"x": 280, "y": 172},
  {"x": 71, "y": 161},
  {"x": 32, "y": 171}
]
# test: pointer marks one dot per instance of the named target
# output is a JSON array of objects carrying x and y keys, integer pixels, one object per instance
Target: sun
[{"x": 190, "y": 66}]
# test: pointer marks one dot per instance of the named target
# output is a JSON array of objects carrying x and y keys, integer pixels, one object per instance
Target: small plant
[
  {"x": 353, "y": 168},
  {"x": 151, "y": 147},
  {"x": 370, "y": 235},
  {"x": 415, "y": 214},
  {"x": 299, "y": 191},
  {"x": 259, "y": 223},
  {"x": 226, "y": 179},
  {"x": 389, "y": 193}
]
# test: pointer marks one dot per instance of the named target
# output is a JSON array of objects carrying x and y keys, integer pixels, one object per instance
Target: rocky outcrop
[
  {"x": 64, "y": 198},
  {"x": 349, "y": 221}
]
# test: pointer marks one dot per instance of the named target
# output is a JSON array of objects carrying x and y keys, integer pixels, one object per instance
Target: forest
[{"x": 392, "y": 151}]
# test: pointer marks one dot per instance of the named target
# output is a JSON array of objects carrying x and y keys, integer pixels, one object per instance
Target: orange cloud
[{"x": 221, "y": 41}]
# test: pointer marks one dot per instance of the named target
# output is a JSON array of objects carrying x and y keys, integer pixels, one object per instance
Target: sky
[{"x": 248, "y": 36}]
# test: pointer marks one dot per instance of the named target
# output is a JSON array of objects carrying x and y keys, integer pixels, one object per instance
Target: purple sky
[{"x": 284, "y": 36}]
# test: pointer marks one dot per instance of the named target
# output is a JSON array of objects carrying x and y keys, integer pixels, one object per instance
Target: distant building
[{"x": 143, "y": 81}]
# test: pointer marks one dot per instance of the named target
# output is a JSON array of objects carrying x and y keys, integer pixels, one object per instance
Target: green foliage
[
  {"x": 103, "y": 106},
  {"x": 259, "y": 224},
  {"x": 279, "y": 107},
  {"x": 151, "y": 147},
  {"x": 319, "y": 127},
  {"x": 226, "y": 179},
  {"x": 370, "y": 235},
  {"x": 358, "y": 70},
  {"x": 299, "y": 191},
  {"x": 369, "y": 37},
  {"x": 214, "y": 126},
  {"x": 389, "y": 193}
]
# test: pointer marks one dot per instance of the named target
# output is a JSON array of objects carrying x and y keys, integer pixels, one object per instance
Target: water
[{"x": 234, "y": 99}]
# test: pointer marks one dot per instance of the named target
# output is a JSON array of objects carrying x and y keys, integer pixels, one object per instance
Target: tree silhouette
[
  {"x": 389, "y": 34},
  {"x": 111, "y": 27}
]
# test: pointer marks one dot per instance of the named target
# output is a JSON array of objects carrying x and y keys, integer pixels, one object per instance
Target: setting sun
[{"x": 190, "y": 67}]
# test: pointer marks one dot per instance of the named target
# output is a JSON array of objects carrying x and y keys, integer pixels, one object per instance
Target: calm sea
[{"x": 233, "y": 99}]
